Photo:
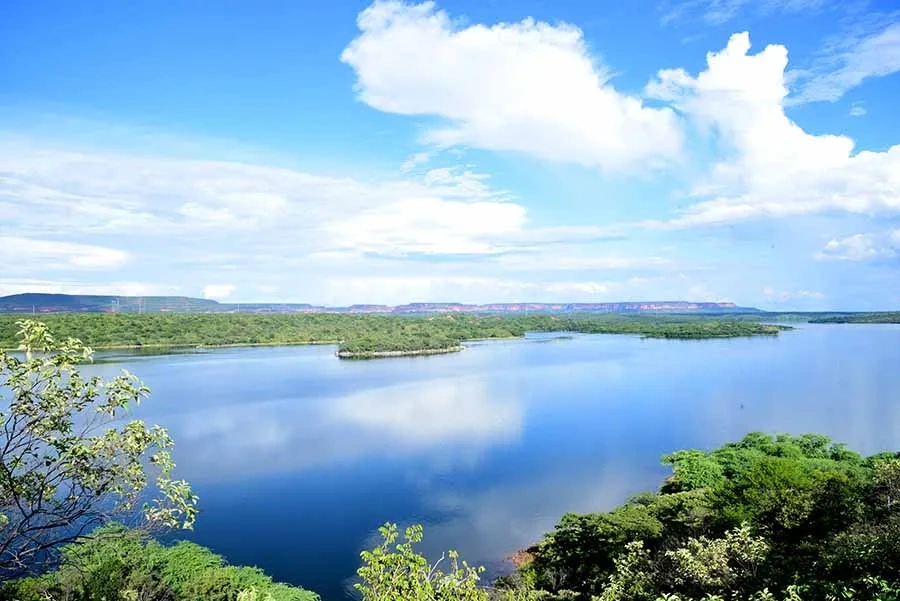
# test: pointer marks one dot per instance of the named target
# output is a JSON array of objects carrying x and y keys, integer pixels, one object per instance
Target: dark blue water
[{"x": 298, "y": 457}]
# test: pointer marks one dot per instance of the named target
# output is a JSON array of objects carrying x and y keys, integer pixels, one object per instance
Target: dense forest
[
  {"x": 799, "y": 517},
  {"x": 361, "y": 334}
]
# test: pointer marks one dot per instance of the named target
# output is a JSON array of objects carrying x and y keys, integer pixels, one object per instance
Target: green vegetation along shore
[
  {"x": 881, "y": 317},
  {"x": 364, "y": 335},
  {"x": 786, "y": 517},
  {"x": 118, "y": 564}
]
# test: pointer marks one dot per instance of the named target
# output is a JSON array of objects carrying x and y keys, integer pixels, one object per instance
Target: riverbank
[{"x": 190, "y": 347}]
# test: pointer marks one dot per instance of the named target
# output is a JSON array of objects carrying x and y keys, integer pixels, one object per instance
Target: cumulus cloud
[
  {"x": 775, "y": 168},
  {"x": 862, "y": 247},
  {"x": 529, "y": 87},
  {"x": 430, "y": 225},
  {"x": 857, "y": 109},
  {"x": 218, "y": 291}
]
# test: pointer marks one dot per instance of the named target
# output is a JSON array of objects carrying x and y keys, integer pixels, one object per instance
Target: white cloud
[
  {"x": 580, "y": 288},
  {"x": 783, "y": 296},
  {"x": 415, "y": 160},
  {"x": 862, "y": 247},
  {"x": 857, "y": 109},
  {"x": 22, "y": 254},
  {"x": 777, "y": 169},
  {"x": 218, "y": 291},
  {"x": 445, "y": 210},
  {"x": 529, "y": 87},
  {"x": 717, "y": 12},
  {"x": 849, "y": 63},
  {"x": 529, "y": 262},
  {"x": 45, "y": 189},
  {"x": 20, "y": 285},
  {"x": 443, "y": 235},
  {"x": 430, "y": 225}
]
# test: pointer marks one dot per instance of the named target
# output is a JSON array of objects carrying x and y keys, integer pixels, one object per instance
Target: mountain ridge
[{"x": 88, "y": 303}]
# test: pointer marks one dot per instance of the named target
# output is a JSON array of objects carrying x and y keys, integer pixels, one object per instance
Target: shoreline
[
  {"x": 137, "y": 347},
  {"x": 421, "y": 352}
]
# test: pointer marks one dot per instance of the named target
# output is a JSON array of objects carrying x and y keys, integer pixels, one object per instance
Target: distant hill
[
  {"x": 79, "y": 303},
  {"x": 84, "y": 303}
]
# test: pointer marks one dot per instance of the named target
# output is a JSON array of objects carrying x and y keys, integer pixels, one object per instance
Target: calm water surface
[{"x": 298, "y": 457}]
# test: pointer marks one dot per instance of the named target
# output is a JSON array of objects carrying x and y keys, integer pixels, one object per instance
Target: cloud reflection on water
[{"x": 292, "y": 434}]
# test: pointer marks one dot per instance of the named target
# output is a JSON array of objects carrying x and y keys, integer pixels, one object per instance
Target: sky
[{"x": 457, "y": 151}]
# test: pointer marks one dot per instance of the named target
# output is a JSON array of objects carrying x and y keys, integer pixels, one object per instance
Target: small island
[
  {"x": 361, "y": 336},
  {"x": 345, "y": 354}
]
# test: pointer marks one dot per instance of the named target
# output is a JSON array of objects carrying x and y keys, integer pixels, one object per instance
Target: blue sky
[{"x": 390, "y": 152}]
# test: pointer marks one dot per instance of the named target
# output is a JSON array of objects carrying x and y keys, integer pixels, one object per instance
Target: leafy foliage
[
  {"x": 394, "y": 570},
  {"x": 68, "y": 459},
  {"x": 116, "y": 564},
  {"x": 764, "y": 518}
]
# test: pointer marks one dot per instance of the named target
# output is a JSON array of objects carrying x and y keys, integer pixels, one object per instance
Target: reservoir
[{"x": 298, "y": 457}]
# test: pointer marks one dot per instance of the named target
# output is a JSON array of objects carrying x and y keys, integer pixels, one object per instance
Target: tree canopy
[
  {"x": 70, "y": 460},
  {"x": 789, "y": 516},
  {"x": 115, "y": 564}
]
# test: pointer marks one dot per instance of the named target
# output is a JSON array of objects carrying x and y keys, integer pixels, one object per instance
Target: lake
[{"x": 298, "y": 457}]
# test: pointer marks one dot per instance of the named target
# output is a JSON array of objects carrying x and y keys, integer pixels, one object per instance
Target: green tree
[
  {"x": 633, "y": 576},
  {"x": 69, "y": 458},
  {"x": 118, "y": 564},
  {"x": 394, "y": 571},
  {"x": 887, "y": 483},
  {"x": 691, "y": 470},
  {"x": 718, "y": 565}
]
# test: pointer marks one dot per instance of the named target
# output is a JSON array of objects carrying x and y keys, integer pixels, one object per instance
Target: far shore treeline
[{"x": 366, "y": 335}]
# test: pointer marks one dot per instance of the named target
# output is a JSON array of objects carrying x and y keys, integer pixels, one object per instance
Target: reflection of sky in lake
[{"x": 298, "y": 456}]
